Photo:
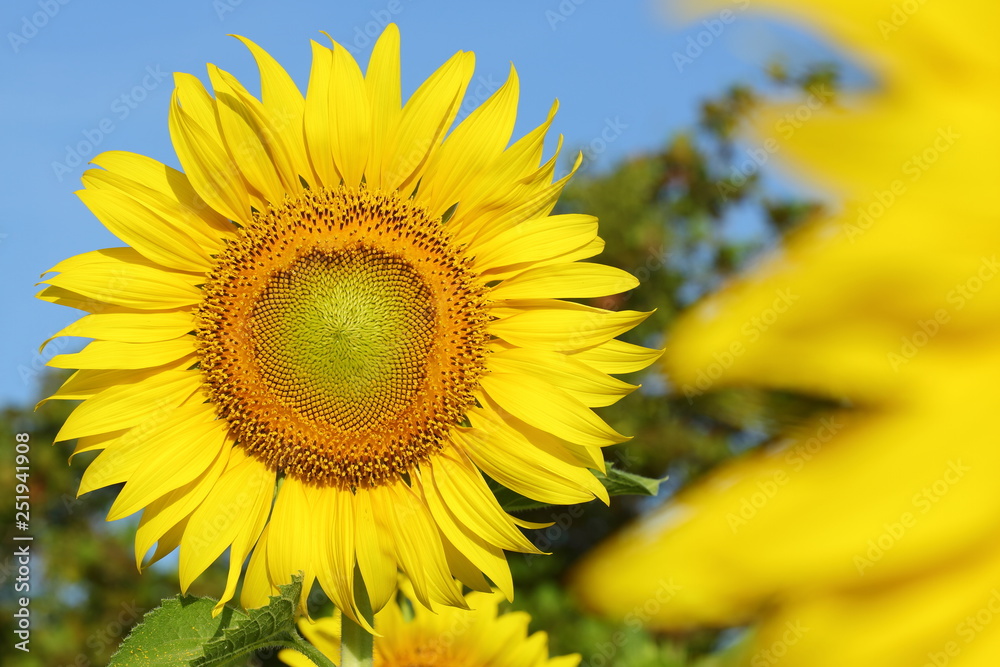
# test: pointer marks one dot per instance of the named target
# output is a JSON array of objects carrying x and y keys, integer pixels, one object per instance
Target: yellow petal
[
  {"x": 243, "y": 136},
  {"x": 470, "y": 500},
  {"x": 382, "y": 82},
  {"x": 418, "y": 546},
  {"x": 120, "y": 276},
  {"x": 426, "y": 117},
  {"x": 550, "y": 409},
  {"x": 173, "y": 465},
  {"x": 470, "y": 148},
  {"x": 124, "y": 406},
  {"x": 374, "y": 552},
  {"x": 196, "y": 219},
  {"x": 129, "y": 327},
  {"x": 492, "y": 191},
  {"x": 565, "y": 281},
  {"x": 289, "y": 547},
  {"x": 317, "y": 121},
  {"x": 86, "y": 383},
  {"x": 154, "y": 237},
  {"x": 164, "y": 513},
  {"x": 212, "y": 172},
  {"x": 514, "y": 461},
  {"x": 173, "y": 190},
  {"x": 111, "y": 354},
  {"x": 590, "y": 387},
  {"x": 256, "y": 586},
  {"x": 94, "y": 442},
  {"x": 284, "y": 108},
  {"x": 350, "y": 117},
  {"x": 236, "y": 501},
  {"x": 559, "y": 325},
  {"x": 616, "y": 357},
  {"x": 536, "y": 199},
  {"x": 534, "y": 240},
  {"x": 475, "y": 552},
  {"x": 334, "y": 549},
  {"x": 123, "y": 456}
]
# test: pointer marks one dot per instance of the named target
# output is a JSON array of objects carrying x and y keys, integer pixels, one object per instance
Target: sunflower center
[{"x": 342, "y": 336}]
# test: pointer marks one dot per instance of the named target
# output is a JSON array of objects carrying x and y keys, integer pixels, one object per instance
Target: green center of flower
[{"x": 343, "y": 336}]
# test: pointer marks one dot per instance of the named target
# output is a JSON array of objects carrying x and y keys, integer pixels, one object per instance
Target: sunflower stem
[
  {"x": 310, "y": 651},
  {"x": 356, "y": 643}
]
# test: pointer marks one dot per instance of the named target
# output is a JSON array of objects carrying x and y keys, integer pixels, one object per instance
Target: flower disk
[{"x": 342, "y": 337}]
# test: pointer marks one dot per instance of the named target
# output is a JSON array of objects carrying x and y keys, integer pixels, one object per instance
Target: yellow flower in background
[
  {"x": 332, "y": 323},
  {"x": 871, "y": 537},
  {"x": 411, "y": 635}
]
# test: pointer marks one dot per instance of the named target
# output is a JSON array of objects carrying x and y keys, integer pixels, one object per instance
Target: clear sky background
[{"x": 84, "y": 76}]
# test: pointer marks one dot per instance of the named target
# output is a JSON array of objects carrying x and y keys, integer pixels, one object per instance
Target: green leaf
[
  {"x": 512, "y": 501},
  {"x": 271, "y": 625},
  {"x": 617, "y": 482},
  {"x": 181, "y": 631},
  {"x": 621, "y": 483},
  {"x": 173, "y": 633}
]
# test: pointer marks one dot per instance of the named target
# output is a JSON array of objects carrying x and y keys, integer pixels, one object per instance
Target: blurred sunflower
[
  {"x": 874, "y": 539},
  {"x": 332, "y": 323},
  {"x": 410, "y": 635}
]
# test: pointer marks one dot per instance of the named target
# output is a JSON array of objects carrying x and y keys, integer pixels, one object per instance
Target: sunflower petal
[
  {"x": 129, "y": 327},
  {"x": 534, "y": 240},
  {"x": 565, "y": 281},
  {"x": 238, "y": 498},
  {"x": 590, "y": 387},
  {"x": 550, "y": 409},
  {"x": 284, "y": 109},
  {"x": 112, "y": 354},
  {"x": 426, "y": 117},
  {"x": 244, "y": 138},
  {"x": 350, "y": 132},
  {"x": 185, "y": 459},
  {"x": 470, "y": 148},
  {"x": 125, "y": 405},
  {"x": 212, "y": 172},
  {"x": 382, "y": 82},
  {"x": 560, "y": 325}
]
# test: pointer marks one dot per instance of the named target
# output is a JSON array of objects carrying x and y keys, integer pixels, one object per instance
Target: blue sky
[{"x": 82, "y": 77}]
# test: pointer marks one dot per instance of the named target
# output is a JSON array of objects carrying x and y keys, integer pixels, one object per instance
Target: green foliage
[{"x": 182, "y": 631}]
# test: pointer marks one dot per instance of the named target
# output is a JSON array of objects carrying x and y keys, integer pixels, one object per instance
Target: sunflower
[
  {"x": 870, "y": 537},
  {"x": 328, "y": 328},
  {"x": 410, "y": 634}
]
